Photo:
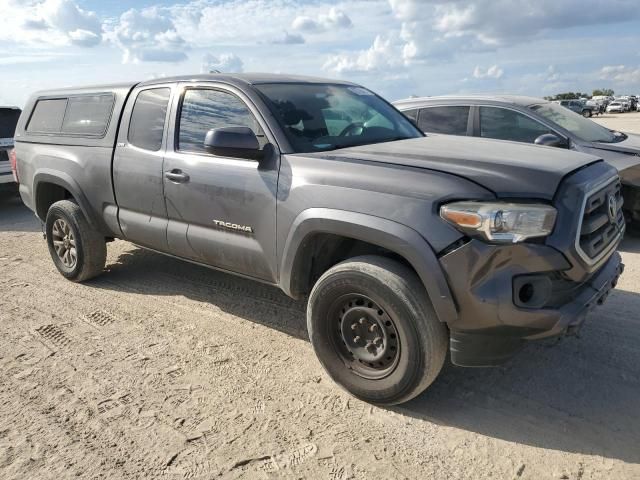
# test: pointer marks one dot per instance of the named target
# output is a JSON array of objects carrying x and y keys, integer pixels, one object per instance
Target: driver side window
[
  {"x": 505, "y": 124},
  {"x": 205, "y": 109}
]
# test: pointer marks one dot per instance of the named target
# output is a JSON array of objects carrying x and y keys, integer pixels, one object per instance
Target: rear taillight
[{"x": 14, "y": 164}]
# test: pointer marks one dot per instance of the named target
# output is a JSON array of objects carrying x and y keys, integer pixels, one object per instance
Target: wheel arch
[
  {"x": 46, "y": 185},
  {"x": 378, "y": 232}
]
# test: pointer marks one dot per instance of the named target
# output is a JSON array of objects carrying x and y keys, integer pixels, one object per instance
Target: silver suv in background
[
  {"x": 532, "y": 120},
  {"x": 8, "y": 120}
]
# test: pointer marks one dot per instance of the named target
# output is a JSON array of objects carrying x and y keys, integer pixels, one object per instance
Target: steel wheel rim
[
  {"x": 364, "y": 336},
  {"x": 64, "y": 243}
]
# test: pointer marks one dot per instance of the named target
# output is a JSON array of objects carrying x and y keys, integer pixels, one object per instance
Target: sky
[{"x": 397, "y": 48}]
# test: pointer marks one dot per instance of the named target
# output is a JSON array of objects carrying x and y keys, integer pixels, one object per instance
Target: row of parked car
[
  {"x": 619, "y": 104},
  {"x": 598, "y": 105},
  {"x": 627, "y": 103},
  {"x": 407, "y": 246}
]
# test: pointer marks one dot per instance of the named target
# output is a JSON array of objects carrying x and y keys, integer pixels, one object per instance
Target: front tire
[
  {"x": 586, "y": 113},
  {"x": 78, "y": 251},
  {"x": 374, "y": 330}
]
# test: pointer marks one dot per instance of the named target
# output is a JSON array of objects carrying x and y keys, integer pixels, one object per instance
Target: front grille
[{"x": 602, "y": 221}]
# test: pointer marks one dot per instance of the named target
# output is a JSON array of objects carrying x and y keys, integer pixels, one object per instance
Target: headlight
[{"x": 500, "y": 222}]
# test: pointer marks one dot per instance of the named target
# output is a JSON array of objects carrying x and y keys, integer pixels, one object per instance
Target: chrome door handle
[{"x": 177, "y": 176}]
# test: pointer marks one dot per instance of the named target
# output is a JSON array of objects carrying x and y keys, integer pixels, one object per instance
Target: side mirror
[
  {"x": 236, "y": 142},
  {"x": 551, "y": 140}
]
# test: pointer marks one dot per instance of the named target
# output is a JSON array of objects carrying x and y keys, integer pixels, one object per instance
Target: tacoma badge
[{"x": 233, "y": 226}]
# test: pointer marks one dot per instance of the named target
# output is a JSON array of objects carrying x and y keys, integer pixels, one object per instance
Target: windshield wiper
[{"x": 331, "y": 147}]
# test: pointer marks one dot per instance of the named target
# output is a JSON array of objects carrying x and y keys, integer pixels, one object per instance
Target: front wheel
[
  {"x": 586, "y": 113},
  {"x": 374, "y": 330},
  {"x": 78, "y": 251}
]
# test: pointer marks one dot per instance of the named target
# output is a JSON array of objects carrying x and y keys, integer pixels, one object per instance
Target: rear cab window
[
  {"x": 79, "y": 115},
  {"x": 87, "y": 115},
  {"x": 449, "y": 120},
  {"x": 146, "y": 127},
  {"x": 47, "y": 116}
]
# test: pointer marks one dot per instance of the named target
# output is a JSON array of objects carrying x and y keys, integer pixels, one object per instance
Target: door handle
[{"x": 177, "y": 176}]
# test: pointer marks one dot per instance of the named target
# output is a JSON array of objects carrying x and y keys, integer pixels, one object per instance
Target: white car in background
[
  {"x": 625, "y": 102},
  {"x": 615, "y": 107}
]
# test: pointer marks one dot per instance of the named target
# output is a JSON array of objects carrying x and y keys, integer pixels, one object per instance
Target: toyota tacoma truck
[{"x": 406, "y": 246}]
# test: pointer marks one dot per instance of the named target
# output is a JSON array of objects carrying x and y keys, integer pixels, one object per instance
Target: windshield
[
  {"x": 321, "y": 117},
  {"x": 581, "y": 127}
]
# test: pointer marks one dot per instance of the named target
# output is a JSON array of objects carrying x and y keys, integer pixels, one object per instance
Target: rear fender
[{"x": 65, "y": 181}]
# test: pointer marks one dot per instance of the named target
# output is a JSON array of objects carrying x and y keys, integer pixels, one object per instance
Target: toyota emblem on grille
[{"x": 612, "y": 209}]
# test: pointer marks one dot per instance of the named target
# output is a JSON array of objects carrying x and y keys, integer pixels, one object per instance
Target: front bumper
[{"x": 493, "y": 322}]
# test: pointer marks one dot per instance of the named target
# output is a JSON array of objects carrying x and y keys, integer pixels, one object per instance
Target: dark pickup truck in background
[{"x": 405, "y": 245}]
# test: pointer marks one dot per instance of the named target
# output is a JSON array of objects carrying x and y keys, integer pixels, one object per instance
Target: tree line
[{"x": 607, "y": 92}]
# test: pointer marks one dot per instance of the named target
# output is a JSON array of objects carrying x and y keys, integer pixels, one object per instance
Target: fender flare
[
  {"x": 65, "y": 181},
  {"x": 385, "y": 233}
]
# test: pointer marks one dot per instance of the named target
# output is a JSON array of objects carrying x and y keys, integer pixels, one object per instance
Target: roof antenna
[{"x": 214, "y": 71}]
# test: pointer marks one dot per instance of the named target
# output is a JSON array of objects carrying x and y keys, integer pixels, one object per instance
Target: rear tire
[
  {"x": 374, "y": 330},
  {"x": 586, "y": 113},
  {"x": 78, "y": 251}
]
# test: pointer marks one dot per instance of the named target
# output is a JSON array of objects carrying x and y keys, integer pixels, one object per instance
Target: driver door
[{"x": 221, "y": 210}]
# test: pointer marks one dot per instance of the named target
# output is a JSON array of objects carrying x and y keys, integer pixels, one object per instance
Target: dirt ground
[{"x": 163, "y": 369}]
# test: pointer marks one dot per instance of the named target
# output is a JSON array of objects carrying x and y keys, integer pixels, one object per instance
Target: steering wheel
[{"x": 351, "y": 129}]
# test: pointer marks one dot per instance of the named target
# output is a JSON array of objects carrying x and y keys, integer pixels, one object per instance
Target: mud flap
[{"x": 477, "y": 350}]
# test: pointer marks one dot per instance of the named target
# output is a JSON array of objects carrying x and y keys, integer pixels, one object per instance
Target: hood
[
  {"x": 624, "y": 155},
  {"x": 631, "y": 144},
  {"x": 509, "y": 169}
]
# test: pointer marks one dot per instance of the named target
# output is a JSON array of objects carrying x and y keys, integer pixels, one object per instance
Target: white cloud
[
  {"x": 223, "y": 63},
  {"x": 148, "y": 35},
  {"x": 203, "y": 23},
  {"x": 84, "y": 38},
  {"x": 289, "y": 39},
  {"x": 494, "y": 71},
  {"x": 384, "y": 54},
  {"x": 620, "y": 74},
  {"x": 49, "y": 22},
  {"x": 82, "y": 27},
  {"x": 442, "y": 28},
  {"x": 335, "y": 19}
]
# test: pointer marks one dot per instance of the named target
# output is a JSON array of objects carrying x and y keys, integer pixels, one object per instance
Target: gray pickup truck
[{"x": 405, "y": 245}]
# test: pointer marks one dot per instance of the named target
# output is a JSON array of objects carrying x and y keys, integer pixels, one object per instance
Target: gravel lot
[{"x": 163, "y": 369}]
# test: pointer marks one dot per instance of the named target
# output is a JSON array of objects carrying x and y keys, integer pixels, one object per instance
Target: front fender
[{"x": 388, "y": 234}]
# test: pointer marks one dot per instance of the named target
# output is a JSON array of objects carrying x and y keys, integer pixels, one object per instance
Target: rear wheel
[
  {"x": 78, "y": 251},
  {"x": 374, "y": 330},
  {"x": 586, "y": 113}
]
